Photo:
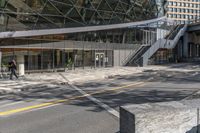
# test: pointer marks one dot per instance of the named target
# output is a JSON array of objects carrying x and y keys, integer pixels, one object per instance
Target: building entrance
[{"x": 99, "y": 60}]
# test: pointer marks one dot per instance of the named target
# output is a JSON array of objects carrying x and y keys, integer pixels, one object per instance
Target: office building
[{"x": 183, "y": 10}]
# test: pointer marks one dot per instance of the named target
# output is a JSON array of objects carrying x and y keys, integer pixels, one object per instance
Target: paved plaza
[{"x": 88, "y": 101}]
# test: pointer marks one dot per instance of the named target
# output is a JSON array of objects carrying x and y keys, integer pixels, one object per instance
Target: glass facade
[
  {"x": 68, "y": 51},
  {"x": 44, "y": 14}
]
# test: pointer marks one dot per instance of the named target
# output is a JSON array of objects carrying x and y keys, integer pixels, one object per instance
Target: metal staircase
[
  {"x": 135, "y": 58},
  {"x": 168, "y": 43}
]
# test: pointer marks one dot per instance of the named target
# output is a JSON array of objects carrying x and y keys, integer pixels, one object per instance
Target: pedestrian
[{"x": 13, "y": 68}]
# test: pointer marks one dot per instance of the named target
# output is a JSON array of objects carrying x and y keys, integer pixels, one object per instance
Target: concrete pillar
[
  {"x": 20, "y": 62},
  {"x": 36, "y": 62},
  {"x": 190, "y": 50},
  {"x": 0, "y": 59},
  {"x": 196, "y": 50},
  {"x": 185, "y": 45},
  {"x": 193, "y": 50},
  {"x": 57, "y": 57},
  {"x": 124, "y": 38}
]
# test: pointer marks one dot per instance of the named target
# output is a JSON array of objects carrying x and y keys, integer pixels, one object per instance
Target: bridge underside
[{"x": 193, "y": 42}]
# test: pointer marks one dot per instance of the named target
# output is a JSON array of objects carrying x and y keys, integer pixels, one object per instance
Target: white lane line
[
  {"x": 9, "y": 104},
  {"x": 101, "y": 104},
  {"x": 4, "y": 102}
]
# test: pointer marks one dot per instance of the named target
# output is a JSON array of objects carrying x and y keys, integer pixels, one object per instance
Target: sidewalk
[
  {"x": 85, "y": 75},
  {"x": 77, "y": 76}
]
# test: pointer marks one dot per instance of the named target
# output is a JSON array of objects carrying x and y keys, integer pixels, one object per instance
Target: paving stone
[{"x": 164, "y": 117}]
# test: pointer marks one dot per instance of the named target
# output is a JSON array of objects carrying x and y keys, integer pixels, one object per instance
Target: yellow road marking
[{"x": 9, "y": 112}]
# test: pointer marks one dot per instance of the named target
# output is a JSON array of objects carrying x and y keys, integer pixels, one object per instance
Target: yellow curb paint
[{"x": 10, "y": 112}]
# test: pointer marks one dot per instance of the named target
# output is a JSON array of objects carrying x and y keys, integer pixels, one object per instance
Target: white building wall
[
  {"x": 161, "y": 33},
  {"x": 20, "y": 63},
  {"x": 120, "y": 56}
]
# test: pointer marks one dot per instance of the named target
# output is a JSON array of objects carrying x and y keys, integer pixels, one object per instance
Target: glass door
[{"x": 99, "y": 60}]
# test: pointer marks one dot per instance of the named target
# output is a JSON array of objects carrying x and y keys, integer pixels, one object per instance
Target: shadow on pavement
[
  {"x": 112, "y": 98},
  {"x": 149, "y": 94}
]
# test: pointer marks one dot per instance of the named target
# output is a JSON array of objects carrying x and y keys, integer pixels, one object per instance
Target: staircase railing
[
  {"x": 135, "y": 52},
  {"x": 161, "y": 43},
  {"x": 175, "y": 31},
  {"x": 178, "y": 33},
  {"x": 171, "y": 31},
  {"x": 131, "y": 54}
]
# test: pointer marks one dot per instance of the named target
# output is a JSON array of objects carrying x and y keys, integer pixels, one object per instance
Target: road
[{"x": 89, "y": 107}]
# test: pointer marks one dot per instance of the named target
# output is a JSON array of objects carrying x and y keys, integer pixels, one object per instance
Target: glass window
[
  {"x": 174, "y": 4},
  {"x": 175, "y": 9},
  {"x": 170, "y": 9},
  {"x": 175, "y": 16}
]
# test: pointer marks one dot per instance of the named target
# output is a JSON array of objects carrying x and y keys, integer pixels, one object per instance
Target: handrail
[
  {"x": 171, "y": 30},
  {"x": 13, "y": 34},
  {"x": 176, "y": 30},
  {"x": 138, "y": 51},
  {"x": 136, "y": 62},
  {"x": 131, "y": 54},
  {"x": 125, "y": 61}
]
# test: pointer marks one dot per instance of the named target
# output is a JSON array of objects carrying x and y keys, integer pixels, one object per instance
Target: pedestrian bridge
[
  {"x": 30, "y": 33},
  {"x": 194, "y": 27}
]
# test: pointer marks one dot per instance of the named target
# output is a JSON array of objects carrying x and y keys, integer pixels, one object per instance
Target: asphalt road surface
[{"x": 90, "y": 107}]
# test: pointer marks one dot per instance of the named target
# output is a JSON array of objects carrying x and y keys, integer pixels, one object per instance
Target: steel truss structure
[{"x": 45, "y": 14}]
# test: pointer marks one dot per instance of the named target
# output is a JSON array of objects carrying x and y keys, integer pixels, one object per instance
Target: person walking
[{"x": 13, "y": 68}]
